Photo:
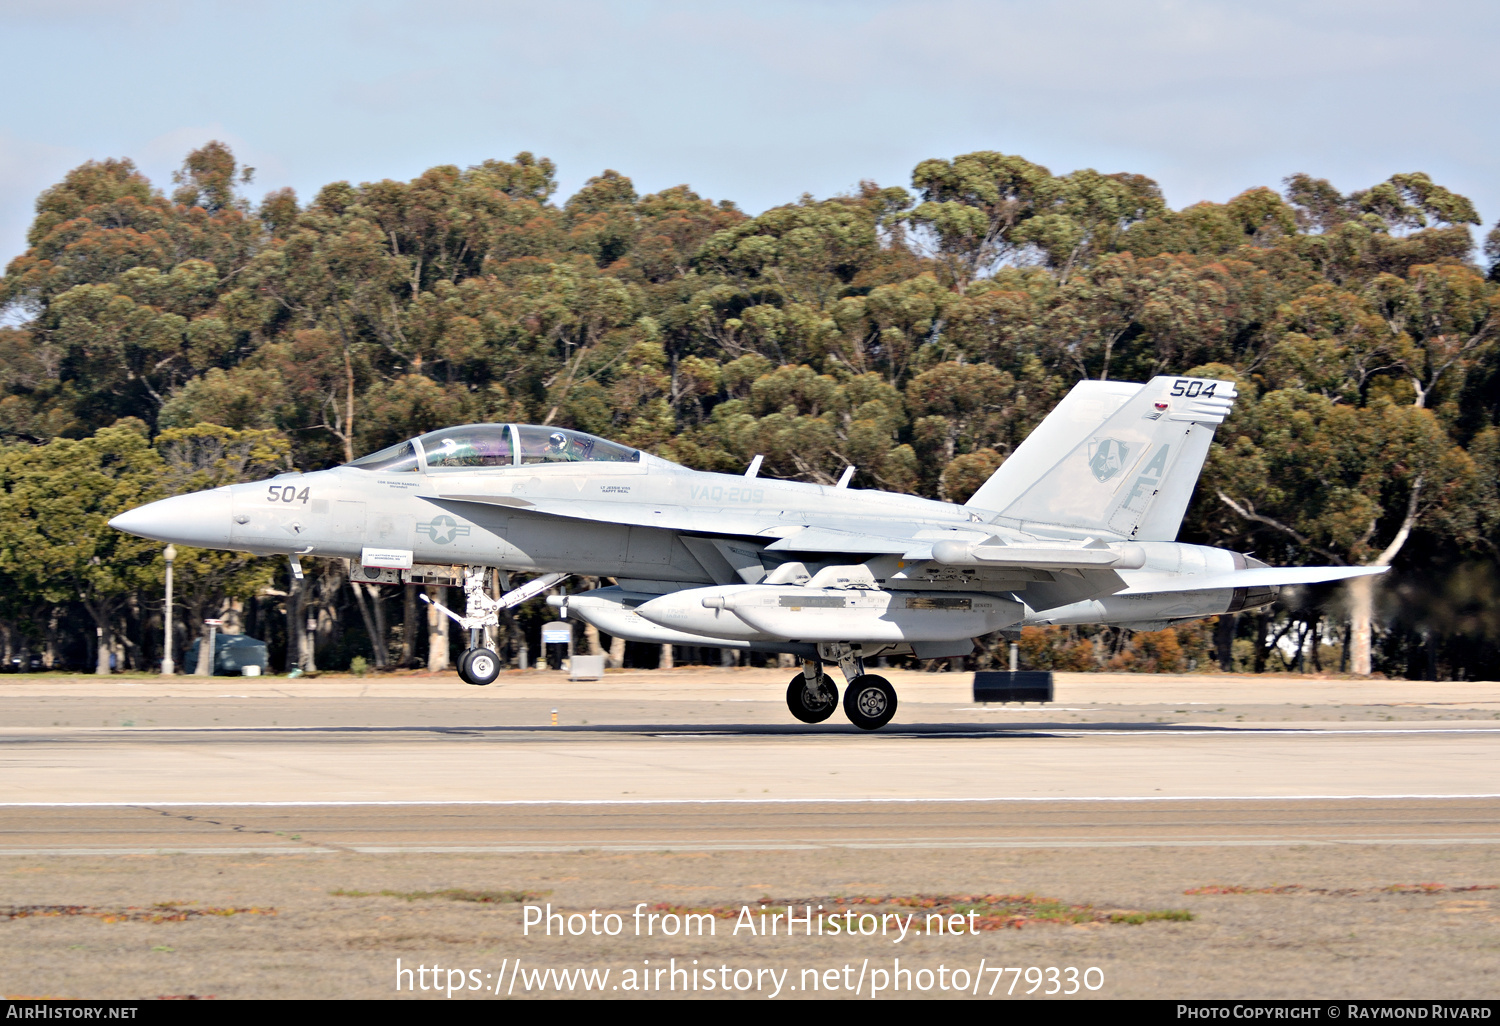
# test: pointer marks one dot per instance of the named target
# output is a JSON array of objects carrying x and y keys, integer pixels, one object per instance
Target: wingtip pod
[{"x": 1132, "y": 474}]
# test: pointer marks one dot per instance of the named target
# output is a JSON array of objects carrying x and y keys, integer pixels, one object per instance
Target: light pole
[{"x": 167, "y": 667}]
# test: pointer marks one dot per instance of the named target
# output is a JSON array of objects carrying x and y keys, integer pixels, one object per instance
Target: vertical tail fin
[
  {"x": 1074, "y": 418},
  {"x": 1131, "y": 475}
]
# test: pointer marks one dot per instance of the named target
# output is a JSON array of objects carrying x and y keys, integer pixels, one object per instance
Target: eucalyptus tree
[{"x": 56, "y": 501}]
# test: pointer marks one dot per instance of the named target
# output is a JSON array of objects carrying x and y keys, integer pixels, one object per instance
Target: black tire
[
  {"x": 869, "y": 702},
  {"x": 807, "y": 706},
  {"x": 479, "y": 666}
]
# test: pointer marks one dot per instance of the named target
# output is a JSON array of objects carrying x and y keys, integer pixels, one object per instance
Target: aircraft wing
[
  {"x": 955, "y": 546},
  {"x": 864, "y": 536},
  {"x": 1258, "y": 577},
  {"x": 831, "y": 539},
  {"x": 672, "y": 518}
]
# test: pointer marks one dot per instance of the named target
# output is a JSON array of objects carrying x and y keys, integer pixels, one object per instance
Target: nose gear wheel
[
  {"x": 869, "y": 701},
  {"x": 479, "y": 666}
]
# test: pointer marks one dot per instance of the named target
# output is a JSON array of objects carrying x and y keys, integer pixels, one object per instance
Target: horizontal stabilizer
[{"x": 1259, "y": 577}]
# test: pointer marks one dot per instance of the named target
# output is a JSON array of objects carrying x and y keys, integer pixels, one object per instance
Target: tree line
[{"x": 163, "y": 341}]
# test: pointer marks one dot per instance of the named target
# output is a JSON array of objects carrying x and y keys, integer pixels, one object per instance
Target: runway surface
[
  {"x": 729, "y": 761},
  {"x": 1308, "y": 837},
  {"x": 706, "y": 760},
  {"x": 717, "y": 827}
]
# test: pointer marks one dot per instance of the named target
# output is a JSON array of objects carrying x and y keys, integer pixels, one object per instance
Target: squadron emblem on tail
[{"x": 1107, "y": 457}]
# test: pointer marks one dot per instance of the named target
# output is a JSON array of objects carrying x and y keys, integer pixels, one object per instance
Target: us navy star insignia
[{"x": 443, "y": 529}]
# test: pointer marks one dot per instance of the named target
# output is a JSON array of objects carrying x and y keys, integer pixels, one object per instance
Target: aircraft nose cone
[{"x": 201, "y": 519}]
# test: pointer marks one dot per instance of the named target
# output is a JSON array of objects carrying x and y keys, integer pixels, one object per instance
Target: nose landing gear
[{"x": 480, "y": 665}]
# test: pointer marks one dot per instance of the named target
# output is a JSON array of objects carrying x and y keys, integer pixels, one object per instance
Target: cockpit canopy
[{"x": 476, "y": 446}]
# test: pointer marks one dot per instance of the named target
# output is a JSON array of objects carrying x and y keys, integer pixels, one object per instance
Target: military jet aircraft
[{"x": 1076, "y": 527}]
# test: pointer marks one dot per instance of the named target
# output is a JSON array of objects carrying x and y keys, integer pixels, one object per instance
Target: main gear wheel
[
  {"x": 869, "y": 701},
  {"x": 812, "y": 703}
]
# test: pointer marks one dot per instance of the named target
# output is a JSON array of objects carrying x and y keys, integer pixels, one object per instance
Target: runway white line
[
  {"x": 1242, "y": 731},
  {"x": 747, "y": 801},
  {"x": 709, "y": 846},
  {"x": 998, "y": 731}
]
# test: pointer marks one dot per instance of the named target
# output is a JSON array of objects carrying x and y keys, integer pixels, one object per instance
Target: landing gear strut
[
  {"x": 480, "y": 665},
  {"x": 811, "y": 696}
]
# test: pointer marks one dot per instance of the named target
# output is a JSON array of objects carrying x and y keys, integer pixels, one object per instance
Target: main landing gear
[
  {"x": 869, "y": 699},
  {"x": 811, "y": 696},
  {"x": 480, "y": 665}
]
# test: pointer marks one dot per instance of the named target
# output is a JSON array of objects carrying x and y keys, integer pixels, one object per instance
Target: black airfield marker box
[{"x": 1013, "y": 686}]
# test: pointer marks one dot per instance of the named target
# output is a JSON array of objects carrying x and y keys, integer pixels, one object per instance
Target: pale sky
[{"x": 755, "y": 102}]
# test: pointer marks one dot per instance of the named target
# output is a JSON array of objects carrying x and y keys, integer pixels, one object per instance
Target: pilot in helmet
[
  {"x": 557, "y": 446},
  {"x": 453, "y": 452}
]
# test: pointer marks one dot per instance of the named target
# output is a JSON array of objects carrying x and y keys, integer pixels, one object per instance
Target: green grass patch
[
  {"x": 161, "y": 912},
  {"x": 1166, "y": 915},
  {"x": 981, "y": 912}
]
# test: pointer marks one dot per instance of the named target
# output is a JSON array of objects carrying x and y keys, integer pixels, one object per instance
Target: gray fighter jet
[{"x": 1077, "y": 526}]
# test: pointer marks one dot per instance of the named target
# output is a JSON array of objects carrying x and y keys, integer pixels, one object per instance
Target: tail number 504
[
  {"x": 1193, "y": 388},
  {"x": 286, "y": 493}
]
